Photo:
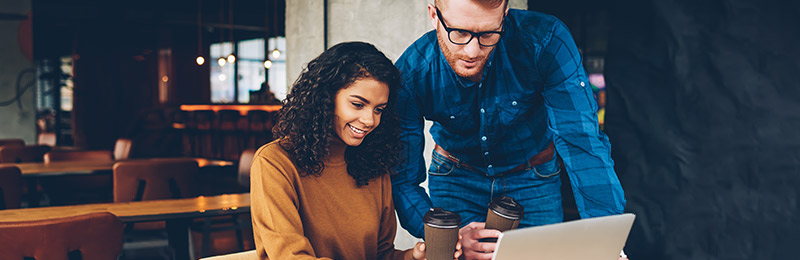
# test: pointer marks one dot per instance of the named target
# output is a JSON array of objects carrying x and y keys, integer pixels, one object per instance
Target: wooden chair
[
  {"x": 246, "y": 255},
  {"x": 243, "y": 177},
  {"x": 12, "y": 141},
  {"x": 95, "y": 236},
  {"x": 122, "y": 149},
  {"x": 19, "y": 154},
  {"x": 152, "y": 179},
  {"x": 78, "y": 189},
  {"x": 10, "y": 187}
]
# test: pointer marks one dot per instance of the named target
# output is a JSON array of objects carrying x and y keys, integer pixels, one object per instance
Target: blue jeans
[{"x": 467, "y": 192}]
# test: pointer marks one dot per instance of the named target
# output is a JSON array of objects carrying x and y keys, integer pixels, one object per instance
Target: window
[{"x": 249, "y": 65}]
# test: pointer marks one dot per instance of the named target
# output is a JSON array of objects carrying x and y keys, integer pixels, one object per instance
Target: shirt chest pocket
[
  {"x": 512, "y": 110},
  {"x": 457, "y": 120}
]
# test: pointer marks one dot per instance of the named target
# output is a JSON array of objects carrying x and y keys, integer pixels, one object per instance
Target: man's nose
[{"x": 473, "y": 48}]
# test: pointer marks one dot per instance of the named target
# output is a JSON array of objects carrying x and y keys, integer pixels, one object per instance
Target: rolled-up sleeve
[{"x": 572, "y": 117}]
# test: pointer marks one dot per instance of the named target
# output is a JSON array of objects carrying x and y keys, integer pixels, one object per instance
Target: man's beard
[{"x": 452, "y": 59}]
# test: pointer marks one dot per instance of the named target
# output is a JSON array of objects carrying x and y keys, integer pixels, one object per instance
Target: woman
[{"x": 322, "y": 189}]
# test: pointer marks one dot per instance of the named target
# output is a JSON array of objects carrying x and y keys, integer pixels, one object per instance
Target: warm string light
[
  {"x": 276, "y": 53},
  {"x": 200, "y": 60},
  {"x": 231, "y": 57},
  {"x": 267, "y": 64},
  {"x": 221, "y": 60}
]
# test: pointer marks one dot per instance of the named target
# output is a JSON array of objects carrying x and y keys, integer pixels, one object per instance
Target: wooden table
[
  {"x": 87, "y": 167},
  {"x": 178, "y": 214}
]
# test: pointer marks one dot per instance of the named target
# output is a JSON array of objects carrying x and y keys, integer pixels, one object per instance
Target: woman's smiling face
[{"x": 358, "y": 109}]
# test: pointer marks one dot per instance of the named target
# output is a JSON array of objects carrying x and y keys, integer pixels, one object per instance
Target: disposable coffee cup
[
  {"x": 441, "y": 233},
  {"x": 504, "y": 214}
]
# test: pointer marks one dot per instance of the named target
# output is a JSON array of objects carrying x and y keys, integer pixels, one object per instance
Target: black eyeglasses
[{"x": 463, "y": 37}]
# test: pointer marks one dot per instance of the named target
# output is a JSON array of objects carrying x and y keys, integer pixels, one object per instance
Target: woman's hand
[{"x": 419, "y": 250}]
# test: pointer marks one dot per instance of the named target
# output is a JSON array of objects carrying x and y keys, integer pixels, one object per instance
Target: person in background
[
  {"x": 509, "y": 99},
  {"x": 322, "y": 188}
]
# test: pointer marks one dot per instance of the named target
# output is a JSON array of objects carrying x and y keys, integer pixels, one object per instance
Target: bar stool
[
  {"x": 260, "y": 128},
  {"x": 227, "y": 143},
  {"x": 202, "y": 132}
]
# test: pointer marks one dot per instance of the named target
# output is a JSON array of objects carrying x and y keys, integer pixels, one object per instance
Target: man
[{"x": 508, "y": 97}]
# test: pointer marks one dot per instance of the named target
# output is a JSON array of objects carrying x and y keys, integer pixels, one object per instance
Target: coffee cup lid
[
  {"x": 507, "y": 207},
  {"x": 438, "y": 217}
]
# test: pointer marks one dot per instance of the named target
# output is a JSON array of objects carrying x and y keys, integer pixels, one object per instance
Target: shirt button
[
  {"x": 483, "y": 111},
  {"x": 483, "y": 138},
  {"x": 513, "y": 103},
  {"x": 486, "y": 153},
  {"x": 583, "y": 84},
  {"x": 452, "y": 117}
]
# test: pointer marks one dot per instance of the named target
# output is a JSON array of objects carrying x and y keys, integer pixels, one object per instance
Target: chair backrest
[
  {"x": 47, "y": 138},
  {"x": 244, "y": 167},
  {"x": 18, "y": 154},
  {"x": 10, "y": 187},
  {"x": 246, "y": 255},
  {"x": 122, "y": 149},
  {"x": 12, "y": 141},
  {"x": 97, "y": 236},
  {"x": 66, "y": 155},
  {"x": 152, "y": 179}
]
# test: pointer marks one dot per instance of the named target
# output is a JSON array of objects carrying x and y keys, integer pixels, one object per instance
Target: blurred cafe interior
[{"x": 699, "y": 99}]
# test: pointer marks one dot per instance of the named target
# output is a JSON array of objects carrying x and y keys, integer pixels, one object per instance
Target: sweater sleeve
[
  {"x": 276, "y": 220},
  {"x": 388, "y": 228}
]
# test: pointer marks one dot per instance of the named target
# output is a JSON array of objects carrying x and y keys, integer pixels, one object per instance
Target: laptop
[{"x": 599, "y": 238}]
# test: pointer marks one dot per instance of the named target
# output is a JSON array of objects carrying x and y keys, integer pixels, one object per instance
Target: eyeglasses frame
[{"x": 472, "y": 34}]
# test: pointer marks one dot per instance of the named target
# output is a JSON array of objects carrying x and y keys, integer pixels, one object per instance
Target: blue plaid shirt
[{"x": 533, "y": 91}]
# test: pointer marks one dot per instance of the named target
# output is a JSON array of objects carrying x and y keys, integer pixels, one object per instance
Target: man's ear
[{"x": 432, "y": 16}]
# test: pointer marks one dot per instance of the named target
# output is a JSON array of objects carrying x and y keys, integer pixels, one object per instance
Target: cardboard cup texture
[
  {"x": 440, "y": 243},
  {"x": 504, "y": 214},
  {"x": 441, "y": 234}
]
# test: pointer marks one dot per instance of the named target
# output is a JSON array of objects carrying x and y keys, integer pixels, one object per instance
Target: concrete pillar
[{"x": 17, "y": 74}]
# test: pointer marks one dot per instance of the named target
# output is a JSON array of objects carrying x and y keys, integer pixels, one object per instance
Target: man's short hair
[{"x": 484, "y": 3}]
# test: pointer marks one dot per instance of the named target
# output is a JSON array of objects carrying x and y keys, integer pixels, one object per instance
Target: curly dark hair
[{"x": 305, "y": 123}]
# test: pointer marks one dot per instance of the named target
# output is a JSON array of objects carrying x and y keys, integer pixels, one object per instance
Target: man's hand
[{"x": 473, "y": 249}]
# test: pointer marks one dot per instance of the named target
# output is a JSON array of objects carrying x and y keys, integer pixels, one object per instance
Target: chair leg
[
  {"x": 206, "y": 236},
  {"x": 238, "y": 229}
]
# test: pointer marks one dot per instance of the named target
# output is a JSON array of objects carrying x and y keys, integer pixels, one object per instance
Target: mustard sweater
[{"x": 319, "y": 217}]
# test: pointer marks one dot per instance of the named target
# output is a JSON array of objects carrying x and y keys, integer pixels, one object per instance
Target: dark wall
[{"x": 703, "y": 114}]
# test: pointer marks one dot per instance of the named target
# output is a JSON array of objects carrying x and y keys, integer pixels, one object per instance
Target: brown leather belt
[{"x": 540, "y": 158}]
